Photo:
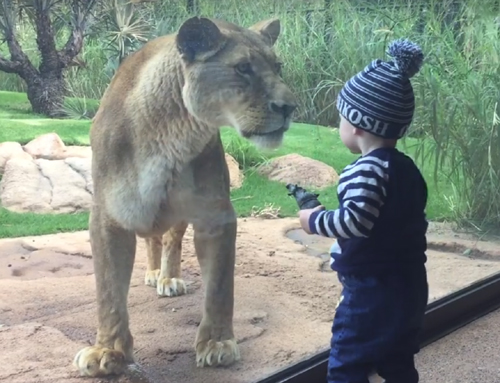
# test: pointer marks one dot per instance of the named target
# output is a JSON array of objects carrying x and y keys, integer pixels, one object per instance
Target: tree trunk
[
  {"x": 46, "y": 94},
  {"x": 46, "y": 85}
]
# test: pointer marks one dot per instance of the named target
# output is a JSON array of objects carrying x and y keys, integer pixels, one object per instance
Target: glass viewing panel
[{"x": 285, "y": 292}]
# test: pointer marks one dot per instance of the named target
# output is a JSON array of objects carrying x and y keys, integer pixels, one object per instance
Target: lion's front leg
[
  {"x": 113, "y": 252},
  {"x": 215, "y": 243}
]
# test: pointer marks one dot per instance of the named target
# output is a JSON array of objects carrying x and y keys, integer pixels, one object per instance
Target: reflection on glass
[{"x": 285, "y": 291}]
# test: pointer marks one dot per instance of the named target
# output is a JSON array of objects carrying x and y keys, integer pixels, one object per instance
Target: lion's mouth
[{"x": 272, "y": 133}]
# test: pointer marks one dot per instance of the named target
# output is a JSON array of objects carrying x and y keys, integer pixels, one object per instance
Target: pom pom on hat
[{"x": 407, "y": 56}]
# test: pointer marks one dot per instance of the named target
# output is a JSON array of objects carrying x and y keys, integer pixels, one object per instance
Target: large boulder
[
  {"x": 10, "y": 150},
  {"x": 47, "y": 186},
  {"x": 296, "y": 169},
  {"x": 50, "y": 146},
  {"x": 45, "y": 176}
]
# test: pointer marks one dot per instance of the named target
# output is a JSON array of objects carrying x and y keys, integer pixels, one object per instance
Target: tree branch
[
  {"x": 8, "y": 66},
  {"x": 19, "y": 61},
  {"x": 45, "y": 36},
  {"x": 75, "y": 42},
  {"x": 72, "y": 47}
]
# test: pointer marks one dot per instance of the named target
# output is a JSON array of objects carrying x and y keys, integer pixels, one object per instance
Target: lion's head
[{"x": 232, "y": 78}]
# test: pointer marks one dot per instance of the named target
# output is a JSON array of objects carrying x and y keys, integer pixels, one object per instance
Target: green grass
[
  {"x": 312, "y": 141},
  {"x": 322, "y": 144},
  {"x": 18, "y": 123},
  {"x": 23, "y": 224}
]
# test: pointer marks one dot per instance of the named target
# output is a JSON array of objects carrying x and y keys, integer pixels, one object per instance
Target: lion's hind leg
[
  {"x": 113, "y": 250},
  {"x": 153, "y": 249},
  {"x": 170, "y": 283}
]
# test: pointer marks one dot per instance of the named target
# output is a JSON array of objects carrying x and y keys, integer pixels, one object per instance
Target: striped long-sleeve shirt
[{"x": 380, "y": 221}]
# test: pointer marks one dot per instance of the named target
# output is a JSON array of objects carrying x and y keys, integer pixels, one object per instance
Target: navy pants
[{"x": 377, "y": 327}]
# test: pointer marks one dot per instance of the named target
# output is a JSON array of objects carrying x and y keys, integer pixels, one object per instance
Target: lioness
[{"x": 158, "y": 165}]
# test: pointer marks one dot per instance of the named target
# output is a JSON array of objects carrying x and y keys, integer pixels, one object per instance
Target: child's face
[{"x": 349, "y": 135}]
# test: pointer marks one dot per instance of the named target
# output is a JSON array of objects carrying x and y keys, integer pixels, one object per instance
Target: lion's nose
[{"x": 282, "y": 107}]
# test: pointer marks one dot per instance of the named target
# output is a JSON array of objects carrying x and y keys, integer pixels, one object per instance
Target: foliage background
[{"x": 323, "y": 43}]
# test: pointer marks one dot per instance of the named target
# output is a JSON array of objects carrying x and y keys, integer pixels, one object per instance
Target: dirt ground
[{"x": 284, "y": 303}]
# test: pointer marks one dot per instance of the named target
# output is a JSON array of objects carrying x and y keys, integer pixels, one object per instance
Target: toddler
[{"x": 380, "y": 227}]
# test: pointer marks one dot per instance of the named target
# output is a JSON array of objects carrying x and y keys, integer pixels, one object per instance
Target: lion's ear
[
  {"x": 269, "y": 29},
  {"x": 198, "y": 37}
]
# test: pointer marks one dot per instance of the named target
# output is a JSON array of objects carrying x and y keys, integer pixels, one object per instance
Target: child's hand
[{"x": 304, "y": 217}]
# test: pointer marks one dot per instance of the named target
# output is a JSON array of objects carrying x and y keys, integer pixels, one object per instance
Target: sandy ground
[
  {"x": 469, "y": 355},
  {"x": 284, "y": 303}
]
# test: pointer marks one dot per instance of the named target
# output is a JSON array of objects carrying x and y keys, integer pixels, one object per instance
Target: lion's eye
[{"x": 244, "y": 68}]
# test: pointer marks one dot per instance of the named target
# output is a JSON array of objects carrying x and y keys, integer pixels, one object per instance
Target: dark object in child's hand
[{"x": 305, "y": 199}]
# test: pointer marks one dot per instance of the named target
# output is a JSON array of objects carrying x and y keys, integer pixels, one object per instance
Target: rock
[
  {"x": 47, "y": 186},
  {"x": 235, "y": 174},
  {"x": 304, "y": 171},
  {"x": 83, "y": 167},
  {"x": 49, "y": 258},
  {"x": 47, "y": 145},
  {"x": 75, "y": 151},
  {"x": 23, "y": 188},
  {"x": 10, "y": 150},
  {"x": 70, "y": 192},
  {"x": 51, "y": 147},
  {"x": 49, "y": 177}
]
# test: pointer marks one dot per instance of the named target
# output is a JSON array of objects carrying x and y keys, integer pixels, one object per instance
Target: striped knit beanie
[{"x": 380, "y": 98}]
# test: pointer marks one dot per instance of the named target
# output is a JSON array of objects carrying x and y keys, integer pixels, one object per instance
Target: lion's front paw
[
  {"x": 151, "y": 277},
  {"x": 213, "y": 353},
  {"x": 97, "y": 361},
  {"x": 171, "y": 287}
]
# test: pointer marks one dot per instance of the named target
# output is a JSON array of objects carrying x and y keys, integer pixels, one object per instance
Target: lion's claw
[
  {"x": 171, "y": 287},
  {"x": 97, "y": 361},
  {"x": 151, "y": 277},
  {"x": 213, "y": 353}
]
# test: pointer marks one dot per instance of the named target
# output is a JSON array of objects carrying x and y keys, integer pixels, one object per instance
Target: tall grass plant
[{"x": 457, "y": 90}]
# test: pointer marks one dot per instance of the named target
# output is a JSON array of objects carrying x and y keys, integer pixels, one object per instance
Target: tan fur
[{"x": 158, "y": 165}]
